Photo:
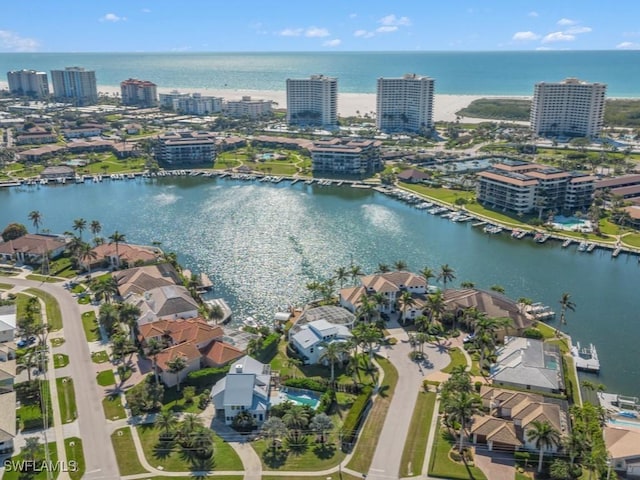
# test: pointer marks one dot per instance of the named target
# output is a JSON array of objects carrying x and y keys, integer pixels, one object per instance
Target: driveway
[{"x": 495, "y": 465}]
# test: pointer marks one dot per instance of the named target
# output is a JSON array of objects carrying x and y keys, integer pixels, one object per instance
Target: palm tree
[
  {"x": 36, "y": 218},
  {"x": 400, "y": 265},
  {"x": 467, "y": 284},
  {"x": 354, "y": 272},
  {"x": 31, "y": 448},
  {"x": 189, "y": 427},
  {"x": 566, "y": 304},
  {"x": 341, "y": 275},
  {"x": 274, "y": 428},
  {"x": 167, "y": 421},
  {"x": 128, "y": 313},
  {"x": 366, "y": 309},
  {"x": 497, "y": 288},
  {"x": 29, "y": 362},
  {"x": 368, "y": 334},
  {"x": 154, "y": 347},
  {"x": 380, "y": 301},
  {"x": 406, "y": 300},
  {"x": 436, "y": 306},
  {"x": 460, "y": 408},
  {"x": 108, "y": 316},
  {"x": 383, "y": 268},
  {"x": 321, "y": 424},
  {"x": 105, "y": 288},
  {"x": 446, "y": 275},
  {"x": 333, "y": 352},
  {"x": 95, "y": 228},
  {"x": 117, "y": 238},
  {"x": 80, "y": 224},
  {"x": 296, "y": 419},
  {"x": 544, "y": 436},
  {"x": 428, "y": 274},
  {"x": 177, "y": 365},
  {"x": 86, "y": 254}
]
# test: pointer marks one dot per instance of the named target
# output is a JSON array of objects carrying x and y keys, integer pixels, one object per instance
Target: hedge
[
  {"x": 307, "y": 383},
  {"x": 269, "y": 348},
  {"x": 533, "y": 333},
  {"x": 355, "y": 416},
  {"x": 326, "y": 401},
  {"x": 206, "y": 377}
]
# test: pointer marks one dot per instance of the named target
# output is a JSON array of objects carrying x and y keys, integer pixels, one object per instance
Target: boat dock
[
  {"x": 205, "y": 282},
  {"x": 226, "y": 310},
  {"x": 539, "y": 311},
  {"x": 585, "y": 358}
]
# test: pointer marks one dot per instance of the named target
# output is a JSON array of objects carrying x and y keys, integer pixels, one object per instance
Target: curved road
[{"x": 100, "y": 458}]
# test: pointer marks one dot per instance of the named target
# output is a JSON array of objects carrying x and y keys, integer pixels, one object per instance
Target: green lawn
[
  {"x": 54, "y": 317},
  {"x": 90, "y": 326},
  {"x": 60, "y": 360},
  {"x": 30, "y": 410},
  {"x": 73, "y": 447},
  {"x": 172, "y": 460},
  {"x": 369, "y": 434},
  {"x": 10, "y": 474},
  {"x": 67, "y": 399},
  {"x": 174, "y": 401},
  {"x": 106, "y": 378},
  {"x": 5, "y": 286},
  {"x": 333, "y": 476},
  {"x": 632, "y": 240},
  {"x": 416, "y": 441},
  {"x": 309, "y": 457},
  {"x": 56, "y": 342},
  {"x": 440, "y": 465},
  {"x": 446, "y": 195},
  {"x": 21, "y": 307},
  {"x": 113, "y": 409},
  {"x": 457, "y": 359},
  {"x": 100, "y": 356},
  {"x": 44, "y": 278},
  {"x": 128, "y": 463},
  {"x": 570, "y": 379}
]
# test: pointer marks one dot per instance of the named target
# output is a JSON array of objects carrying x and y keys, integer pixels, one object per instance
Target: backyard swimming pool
[{"x": 300, "y": 396}]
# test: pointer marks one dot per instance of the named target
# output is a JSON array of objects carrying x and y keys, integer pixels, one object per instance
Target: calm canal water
[{"x": 262, "y": 243}]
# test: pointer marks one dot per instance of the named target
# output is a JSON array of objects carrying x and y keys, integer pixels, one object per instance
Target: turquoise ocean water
[{"x": 483, "y": 73}]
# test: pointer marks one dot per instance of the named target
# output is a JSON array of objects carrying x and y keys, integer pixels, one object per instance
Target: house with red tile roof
[
  {"x": 115, "y": 256},
  {"x": 30, "y": 248}
]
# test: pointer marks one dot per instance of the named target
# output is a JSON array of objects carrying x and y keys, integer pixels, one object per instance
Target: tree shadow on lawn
[
  {"x": 324, "y": 451},
  {"x": 383, "y": 391},
  {"x": 198, "y": 462},
  {"x": 275, "y": 457},
  {"x": 163, "y": 448}
]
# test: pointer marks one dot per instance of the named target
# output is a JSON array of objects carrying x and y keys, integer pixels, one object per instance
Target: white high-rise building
[
  {"x": 312, "y": 101},
  {"x": 569, "y": 108},
  {"x": 405, "y": 104},
  {"x": 75, "y": 84},
  {"x": 28, "y": 82}
]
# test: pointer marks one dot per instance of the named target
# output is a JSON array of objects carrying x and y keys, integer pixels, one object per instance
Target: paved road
[{"x": 100, "y": 458}]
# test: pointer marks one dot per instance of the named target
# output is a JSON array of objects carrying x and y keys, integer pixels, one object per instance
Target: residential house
[
  {"x": 412, "y": 175},
  {"x": 623, "y": 445},
  {"x": 247, "y": 387},
  {"x": 528, "y": 363},
  {"x": 114, "y": 256},
  {"x": 171, "y": 301},
  {"x": 30, "y": 248},
  {"x": 138, "y": 280},
  {"x": 8, "y": 429},
  {"x": 7, "y": 323},
  {"x": 310, "y": 340},
  {"x": 188, "y": 352}
]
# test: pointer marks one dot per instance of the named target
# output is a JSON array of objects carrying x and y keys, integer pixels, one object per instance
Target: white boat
[
  {"x": 582, "y": 247},
  {"x": 250, "y": 322}
]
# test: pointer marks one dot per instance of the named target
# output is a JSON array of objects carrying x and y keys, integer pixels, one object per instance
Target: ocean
[{"x": 456, "y": 73}]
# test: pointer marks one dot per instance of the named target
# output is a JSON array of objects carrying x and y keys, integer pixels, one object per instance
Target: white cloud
[
  {"x": 628, "y": 46},
  {"x": 363, "y": 34},
  {"x": 566, "y": 21},
  {"x": 386, "y": 29},
  {"x": 525, "y": 36},
  {"x": 577, "y": 30},
  {"x": 12, "y": 42},
  {"x": 146, "y": 10},
  {"x": 353, "y": 15},
  {"x": 112, "y": 17},
  {"x": 558, "y": 37},
  {"x": 532, "y": 14},
  {"x": 315, "y": 32},
  {"x": 395, "y": 21},
  {"x": 332, "y": 43},
  {"x": 290, "y": 32}
]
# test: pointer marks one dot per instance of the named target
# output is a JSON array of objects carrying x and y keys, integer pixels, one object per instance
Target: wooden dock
[{"x": 586, "y": 359}]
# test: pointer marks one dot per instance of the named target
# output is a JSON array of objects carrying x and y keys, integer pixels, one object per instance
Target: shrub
[
  {"x": 206, "y": 377},
  {"x": 522, "y": 458},
  {"x": 307, "y": 383},
  {"x": 478, "y": 386},
  {"x": 189, "y": 393},
  {"x": 355, "y": 416},
  {"x": 326, "y": 401},
  {"x": 392, "y": 341},
  {"x": 269, "y": 347},
  {"x": 533, "y": 333}
]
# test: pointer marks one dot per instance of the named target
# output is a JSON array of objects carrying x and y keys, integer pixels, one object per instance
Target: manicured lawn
[
  {"x": 5, "y": 286},
  {"x": 171, "y": 459},
  {"x": 54, "y": 317},
  {"x": 522, "y": 476},
  {"x": 90, "y": 326},
  {"x": 21, "y": 307},
  {"x": 56, "y": 342},
  {"x": 416, "y": 441},
  {"x": 106, "y": 378},
  {"x": 174, "y": 401},
  {"x": 40, "y": 457},
  {"x": 368, "y": 438},
  {"x": 128, "y": 462},
  {"x": 29, "y": 414},
  {"x": 60, "y": 360},
  {"x": 571, "y": 380},
  {"x": 333, "y": 476},
  {"x": 66, "y": 399},
  {"x": 632, "y": 240},
  {"x": 73, "y": 447},
  {"x": 113, "y": 409},
  {"x": 446, "y": 195},
  {"x": 43, "y": 278},
  {"x": 457, "y": 359},
  {"x": 100, "y": 356},
  {"x": 310, "y": 457},
  {"x": 440, "y": 465}
]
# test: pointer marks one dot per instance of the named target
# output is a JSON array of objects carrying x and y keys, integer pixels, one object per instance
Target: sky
[{"x": 328, "y": 25}]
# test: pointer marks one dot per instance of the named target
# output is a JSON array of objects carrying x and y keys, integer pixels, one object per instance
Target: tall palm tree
[
  {"x": 544, "y": 436},
  {"x": 189, "y": 427},
  {"x": 368, "y": 334},
  {"x": 31, "y": 448},
  {"x": 383, "y": 268},
  {"x": 366, "y": 309},
  {"x": 117, "y": 238},
  {"x": 436, "y": 306},
  {"x": 447, "y": 274},
  {"x": 167, "y": 421},
  {"x": 105, "y": 289},
  {"x": 296, "y": 419},
  {"x": 154, "y": 347},
  {"x": 428, "y": 274},
  {"x": 176, "y": 366},
  {"x": 400, "y": 265},
  {"x": 128, "y": 313},
  {"x": 341, "y": 274},
  {"x": 80, "y": 225},
  {"x": 460, "y": 408},
  {"x": 86, "y": 255},
  {"x": 355, "y": 271},
  {"x": 333, "y": 353},
  {"x": 95, "y": 228},
  {"x": 108, "y": 316},
  {"x": 406, "y": 300},
  {"x": 36, "y": 218},
  {"x": 274, "y": 428},
  {"x": 566, "y": 304}
]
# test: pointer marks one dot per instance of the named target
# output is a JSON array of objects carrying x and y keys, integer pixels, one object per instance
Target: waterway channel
[{"x": 261, "y": 243}]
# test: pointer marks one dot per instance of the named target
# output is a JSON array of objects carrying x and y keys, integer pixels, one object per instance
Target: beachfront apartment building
[
  {"x": 75, "y": 85},
  {"x": 572, "y": 108},
  {"x": 180, "y": 149},
  {"x": 139, "y": 93},
  {"x": 248, "y": 107},
  {"x": 405, "y": 104},
  {"x": 346, "y": 157},
  {"x": 522, "y": 187},
  {"x": 312, "y": 101},
  {"x": 29, "y": 83},
  {"x": 191, "y": 103}
]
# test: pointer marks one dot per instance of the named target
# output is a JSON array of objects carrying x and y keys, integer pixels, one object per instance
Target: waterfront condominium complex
[
  {"x": 180, "y": 149},
  {"x": 248, "y": 107},
  {"x": 569, "y": 108},
  {"x": 191, "y": 103},
  {"x": 405, "y": 104},
  {"x": 76, "y": 85},
  {"x": 523, "y": 187},
  {"x": 141, "y": 93},
  {"x": 312, "y": 101},
  {"x": 345, "y": 157},
  {"x": 29, "y": 83}
]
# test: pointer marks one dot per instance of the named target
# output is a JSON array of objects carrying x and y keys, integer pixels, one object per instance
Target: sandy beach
[{"x": 349, "y": 104}]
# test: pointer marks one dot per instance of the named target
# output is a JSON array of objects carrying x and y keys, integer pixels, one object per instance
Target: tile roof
[
  {"x": 188, "y": 351},
  {"x": 494, "y": 304},
  {"x": 221, "y": 353},
  {"x": 496, "y": 430},
  {"x": 140, "y": 279},
  {"x": 7, "y": 416},
  {"x": 622, "y": 442},
  {"x": 32, "y": 244},
  {"x": 195, "y": 330},
  {"x": 127, "y": 252}
]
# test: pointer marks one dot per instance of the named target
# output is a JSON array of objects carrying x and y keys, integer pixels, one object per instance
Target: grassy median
[{"x": 416, "y": 443}]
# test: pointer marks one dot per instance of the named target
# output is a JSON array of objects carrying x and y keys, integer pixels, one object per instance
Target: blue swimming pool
[{"x": 301, "y": 397}]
